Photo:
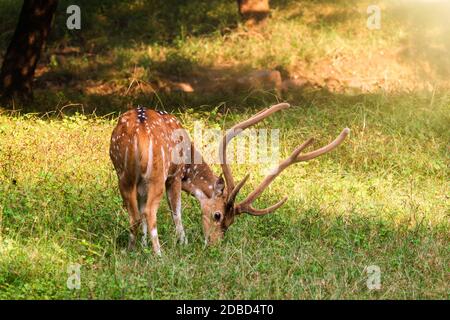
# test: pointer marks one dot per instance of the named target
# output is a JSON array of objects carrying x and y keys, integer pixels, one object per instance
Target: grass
[
  {"x": 114, "y": 62},
  {"x": 380, "y": 199}
]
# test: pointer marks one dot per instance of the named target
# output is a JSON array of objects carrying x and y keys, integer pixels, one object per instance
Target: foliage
[{"x": 381, "y": 199}]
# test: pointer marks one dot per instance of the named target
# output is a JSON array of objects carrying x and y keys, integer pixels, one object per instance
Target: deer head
[{"x": 220, "y": 207}]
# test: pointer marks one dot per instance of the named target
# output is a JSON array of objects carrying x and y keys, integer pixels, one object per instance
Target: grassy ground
[
  {"x": 127, "y": 51},
  {"x": 380, "y": 199}
]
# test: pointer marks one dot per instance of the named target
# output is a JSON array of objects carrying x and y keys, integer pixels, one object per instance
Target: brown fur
[{"x": 142, "y": 188}]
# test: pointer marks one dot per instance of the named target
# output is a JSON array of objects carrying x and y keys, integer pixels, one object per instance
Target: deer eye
[{"x": 217, "y": 215}]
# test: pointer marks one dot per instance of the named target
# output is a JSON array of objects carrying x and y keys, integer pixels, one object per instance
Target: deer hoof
[
  {"x": 132, "y": 243},
  {"x": 183, "y": 239}
]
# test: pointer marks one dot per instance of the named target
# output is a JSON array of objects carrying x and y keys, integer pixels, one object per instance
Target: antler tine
[
  {"x": 234, "y": 193},
  {"x": 269, "y": 178},
  {"x": 245, "y": 205},
  {"x": 234, "y": 131},
  {"x": 260, "y": 212},
  {"x": 316, "y": 153}
]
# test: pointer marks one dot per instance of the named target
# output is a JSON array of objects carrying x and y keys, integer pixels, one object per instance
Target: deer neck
[{"x": 199, "y": 180}]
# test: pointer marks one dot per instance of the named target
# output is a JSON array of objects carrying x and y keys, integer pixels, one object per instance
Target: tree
[
  {"x": 24, "y": 50},
  {"x": 254, "y": 11}
]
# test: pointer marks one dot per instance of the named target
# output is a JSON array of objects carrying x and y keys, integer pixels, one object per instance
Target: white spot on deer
[
  {"x": 154, "y": 233},
  {"x": 199, "y": 194}
]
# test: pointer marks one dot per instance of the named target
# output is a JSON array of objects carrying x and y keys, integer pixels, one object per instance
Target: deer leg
[
  {"x": 174, "y": 200},
  {"x": 142, "y": 200},
  {"x": 144, "y": 232},
  {"x": 155, "y": 194},
  {"x": 129, "y": 196},
  {"x": 142, "y": 203}
]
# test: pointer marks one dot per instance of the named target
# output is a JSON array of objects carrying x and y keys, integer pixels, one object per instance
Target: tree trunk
[
  {"x": 24, "y": 50},
  {"x": 254, "y": 11}
]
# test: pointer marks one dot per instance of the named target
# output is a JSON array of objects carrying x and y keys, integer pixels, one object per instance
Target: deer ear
[{"x": 219, "y": 186}]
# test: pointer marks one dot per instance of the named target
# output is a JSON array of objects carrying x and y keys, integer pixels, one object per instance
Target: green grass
[{"x": 380, "y": 199}]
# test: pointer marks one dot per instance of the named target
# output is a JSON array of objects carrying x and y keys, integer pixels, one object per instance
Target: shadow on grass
[
  {"x": 81, "y": 85},
  {"x": 111, "y": 23},
  {"x": 427, "y": 44}
]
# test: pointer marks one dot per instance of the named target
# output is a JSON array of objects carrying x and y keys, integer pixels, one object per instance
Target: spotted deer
[{"x": 148, "y": 162}]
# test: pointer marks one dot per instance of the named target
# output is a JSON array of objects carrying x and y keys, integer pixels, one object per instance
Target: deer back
[{"x": 142, "y": 143}]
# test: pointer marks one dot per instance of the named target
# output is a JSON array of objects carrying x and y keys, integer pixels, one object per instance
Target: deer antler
[
  {"x": 246, "y": 204},
  {"x": 234, "y": 131},
  {"x": 233, "y": 190}
]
